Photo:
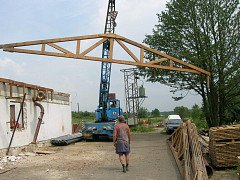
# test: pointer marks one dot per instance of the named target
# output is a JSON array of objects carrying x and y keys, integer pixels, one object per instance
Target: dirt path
[{"x": 150, "y": 159}]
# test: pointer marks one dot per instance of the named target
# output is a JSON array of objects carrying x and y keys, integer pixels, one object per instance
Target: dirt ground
[{"x": 150, "y": 158}]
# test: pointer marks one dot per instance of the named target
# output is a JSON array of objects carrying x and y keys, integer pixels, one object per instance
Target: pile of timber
[
  {"x": 238, "y": 172},
  {"x": 204, "y": 141},
  {"x": 187, "y": 151},
  {"x": 224, "y": 145}
]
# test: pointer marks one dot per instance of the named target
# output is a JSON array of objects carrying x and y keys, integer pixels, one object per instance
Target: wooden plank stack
[
  {"x": 238, "y": 170},
  {"x": 224, "y": 145},
  {"x": 185, "y": 146}
]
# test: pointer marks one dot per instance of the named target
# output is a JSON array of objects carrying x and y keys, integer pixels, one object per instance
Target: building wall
[{"x": 56, "y": 120}]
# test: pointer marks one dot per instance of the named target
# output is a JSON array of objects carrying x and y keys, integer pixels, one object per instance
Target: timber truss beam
[{"x": 163, "y": 61}]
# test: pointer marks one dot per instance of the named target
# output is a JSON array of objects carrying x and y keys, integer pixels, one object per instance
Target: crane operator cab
[
  {"x": 104, "y": 126},
  {"x": 113, "y": 110}
]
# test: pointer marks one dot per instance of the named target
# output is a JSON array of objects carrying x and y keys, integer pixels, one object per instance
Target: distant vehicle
[{"x": 172, "y": 123}]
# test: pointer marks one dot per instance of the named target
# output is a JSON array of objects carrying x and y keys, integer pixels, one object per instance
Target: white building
[{"x": 56, "y": 119}]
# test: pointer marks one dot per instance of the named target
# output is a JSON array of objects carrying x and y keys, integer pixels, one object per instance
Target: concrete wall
[{"x": 56, "y": 120}]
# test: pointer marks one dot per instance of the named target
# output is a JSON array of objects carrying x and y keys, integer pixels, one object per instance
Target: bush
[
  {"x": 142, "y": 112},
  {"x": 155, "y": 113},
  {"x": 200, "y": 124}
]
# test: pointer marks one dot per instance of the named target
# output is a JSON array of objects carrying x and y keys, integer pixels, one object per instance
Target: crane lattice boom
[{"x": 106, "y": 66}]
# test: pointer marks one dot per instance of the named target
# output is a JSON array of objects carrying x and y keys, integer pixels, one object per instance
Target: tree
[
  {"x": 196, "y": 112},
  {"x": 206, "y": 34},
  {"x": 142, "y": 112},
  {"x": 182, "y": 111},
  {"x": 155, "y": 113}
]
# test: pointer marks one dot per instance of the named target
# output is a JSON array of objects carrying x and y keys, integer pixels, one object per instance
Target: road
[{"x": 150, "y": 158}]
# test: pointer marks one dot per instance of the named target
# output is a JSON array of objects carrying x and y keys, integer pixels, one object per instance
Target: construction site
[{"x": 39, "y": 139}]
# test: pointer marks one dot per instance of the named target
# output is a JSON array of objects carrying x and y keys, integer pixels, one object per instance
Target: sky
[{"x": 28, "y": 20}]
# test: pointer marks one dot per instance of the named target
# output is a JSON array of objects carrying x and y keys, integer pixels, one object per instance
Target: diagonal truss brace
[{"x": 172, "y": 64}]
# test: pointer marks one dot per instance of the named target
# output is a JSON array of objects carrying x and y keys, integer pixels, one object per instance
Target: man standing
[{"x": 121, "y": 140}]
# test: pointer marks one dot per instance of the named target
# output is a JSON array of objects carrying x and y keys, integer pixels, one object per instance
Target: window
[
  {"x": 14, "y": 111},
  {"x": 12, "y": 116},
  {"x": 113, "y": 104}
]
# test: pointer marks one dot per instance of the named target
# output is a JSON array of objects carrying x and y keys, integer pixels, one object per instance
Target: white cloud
[
  {"x": 135, "y": 18},
  {"x": 10, "y": 68}
]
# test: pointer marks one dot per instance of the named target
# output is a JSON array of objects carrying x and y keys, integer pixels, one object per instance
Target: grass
[
  {"x": 77, "y": 120},
  {"x": 155, "y": 120},
  {"x": 141, "y": 129}
]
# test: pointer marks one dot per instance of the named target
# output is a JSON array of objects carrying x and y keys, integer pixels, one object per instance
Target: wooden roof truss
[{"x": 163, "y": 61}]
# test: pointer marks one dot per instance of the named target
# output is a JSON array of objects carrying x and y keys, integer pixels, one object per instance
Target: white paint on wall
[{"x": 57, "y": 119}]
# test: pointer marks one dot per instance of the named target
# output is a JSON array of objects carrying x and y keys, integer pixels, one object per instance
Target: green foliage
[
  {"x": 155, "y": 113},
  {"x": 141, "y": 129},
  {"x": 142, "y": 112},
  {"x": 182, "y": 111},
  {"x": 197, "y": 116},
  {"x": 82, "y": 115},
  {"x": 166, "y": 113},
  {"x": 126, "y": 115},
  {"x": 196, "y": 112},
  {"x": 156, "y": 120},
  {"x": 206, "y": 34},
  {"x": 200, "y": 124}
]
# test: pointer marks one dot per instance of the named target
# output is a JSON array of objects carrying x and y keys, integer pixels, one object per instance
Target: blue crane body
[{"x": 109, "y": 107}]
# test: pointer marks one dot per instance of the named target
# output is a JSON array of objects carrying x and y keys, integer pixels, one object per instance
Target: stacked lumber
[
  {"x": 238, "y": 172},
  {"x": 204, "y": 141},
  {"x": 224, "y": 145},
  {"x": 186, "y": 149}
]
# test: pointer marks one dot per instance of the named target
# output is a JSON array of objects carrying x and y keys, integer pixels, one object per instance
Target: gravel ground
[{"x": 150, "y": 159}]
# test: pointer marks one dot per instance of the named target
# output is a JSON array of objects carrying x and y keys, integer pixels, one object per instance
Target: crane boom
[{"x": 106, "y": 66}]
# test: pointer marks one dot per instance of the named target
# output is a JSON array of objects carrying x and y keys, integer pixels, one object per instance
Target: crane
[
  {"x": 108, "y": 106},
  {"x": 110, "y": 24}
]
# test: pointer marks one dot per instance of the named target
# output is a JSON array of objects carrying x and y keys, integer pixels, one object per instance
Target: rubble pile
[{"x": 7, "y": 162}]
